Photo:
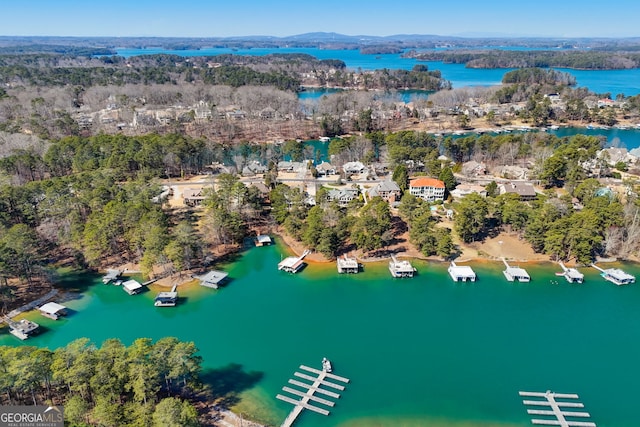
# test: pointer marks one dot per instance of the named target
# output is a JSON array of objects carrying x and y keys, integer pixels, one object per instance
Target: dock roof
[
  {"x": 52, "y": 308},
  {"x": 212, "y": 278},
  {"x": 132, "y": 285}
]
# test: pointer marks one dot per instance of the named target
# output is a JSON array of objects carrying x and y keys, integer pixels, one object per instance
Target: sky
[{"x": 225, "y": 18}]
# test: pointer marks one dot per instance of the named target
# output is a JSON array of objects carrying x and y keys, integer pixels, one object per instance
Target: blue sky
[{"x": 221, "y": 18}]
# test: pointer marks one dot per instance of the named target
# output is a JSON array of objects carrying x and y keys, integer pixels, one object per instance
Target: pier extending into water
[
  {"x": 515, "y": 273},
  {"x": 307, "y": 396},
  {"x": 556, "y": 409}
]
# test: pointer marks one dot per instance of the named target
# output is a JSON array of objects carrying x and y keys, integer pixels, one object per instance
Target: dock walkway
[
  {"x": 307, "y": 395},
  {"x": 556, "y": 409},
  {"x": 33, "y": 304}
]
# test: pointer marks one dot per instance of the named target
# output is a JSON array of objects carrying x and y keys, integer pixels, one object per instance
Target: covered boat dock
[
  {"x": 461, "y": 273},
  {"x": 515, "y": 273},
  {"x": 212, "y": 279},
  {"x": 132, "y": 287},
  {"x": 53, "y": 310},
  {"x": 347, "y": 265}
]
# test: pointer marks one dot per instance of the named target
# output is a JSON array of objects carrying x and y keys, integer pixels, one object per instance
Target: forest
[
  {"x": 575, "y": 59},
  {"x": 144, "y": 384}
]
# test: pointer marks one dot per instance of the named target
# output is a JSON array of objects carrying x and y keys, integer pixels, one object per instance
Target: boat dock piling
[
  {"x": 571, "y": 274},
  {"x": 556, "y": 409},
  {"x": 307, "y": 394}
]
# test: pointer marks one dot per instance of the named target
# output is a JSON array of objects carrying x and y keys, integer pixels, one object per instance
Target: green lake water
[{"x": 419, "y": 352}]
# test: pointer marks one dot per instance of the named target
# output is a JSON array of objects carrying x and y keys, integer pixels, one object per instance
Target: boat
[{"x": 326, "y": 365}]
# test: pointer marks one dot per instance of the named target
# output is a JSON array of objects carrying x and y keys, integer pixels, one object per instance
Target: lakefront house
[{"x": 428, "y": 189}]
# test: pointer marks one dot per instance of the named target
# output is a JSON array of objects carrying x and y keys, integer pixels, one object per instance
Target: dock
[
  {"x": 293, "y": 264},
  {"x": 556, "y": 414},
  {"x": 167, "y": 299},
  {"x": 515, "y": 273},
  {"x": 347, "y": 264},
  {"x": 262, "y": 240},
  {"x": 111, "y": 276},
  {"x": 615, "y": 275},
  {"x": 132, "y": 287},
  {"x": 400, "y": 268},
  {"x": 212, "y": 279},
  {"x": 306, "y": 396},
  {"x": 571, "y": 274},
  {"x": 22, "y": 329},
  {"x": 461, "y": 272},
  {"x": 53, "y": 310}
]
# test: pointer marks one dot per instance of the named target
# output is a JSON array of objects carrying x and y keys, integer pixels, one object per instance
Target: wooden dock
[
  {"x": 306, "y": 397},
  {"x": 556, "y": 409}
]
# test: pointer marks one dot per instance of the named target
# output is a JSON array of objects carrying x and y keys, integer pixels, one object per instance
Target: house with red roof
[{"x": 428, "y": 189}]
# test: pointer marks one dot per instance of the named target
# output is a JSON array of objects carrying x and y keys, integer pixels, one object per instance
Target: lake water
[
  {"x": 615, "y": 82},
  {"x": 421, "y": 351}
]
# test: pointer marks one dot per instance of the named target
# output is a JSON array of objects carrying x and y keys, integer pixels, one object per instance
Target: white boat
[{"x": 326, "y": 365}]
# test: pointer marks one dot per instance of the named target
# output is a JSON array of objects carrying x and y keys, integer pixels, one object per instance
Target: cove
[{"x": 421, "y": 351}]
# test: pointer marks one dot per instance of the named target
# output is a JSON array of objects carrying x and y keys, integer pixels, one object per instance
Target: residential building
[
  {"x": 343, "y": 196},
  {"x": 325, "y": 169},
  {"x": 525, "y": 190},
  {"x": 428, "y": 189},
  {"x": 465, "y": 189},
  {"x": 388, "y": 190},
  {"x": 353, "y": 167}
]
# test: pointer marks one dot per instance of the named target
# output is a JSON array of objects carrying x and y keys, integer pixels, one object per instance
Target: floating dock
[
  {"x": 556, "y": 409},
  {"x": 307, "y": 398},
  {"x": 347, "y": 265},
  {"x": 53, "y": 310},
  {"x": 615, "y": 275},
  {"x": 400, "y": 268},
  {"x": 515, "y": 273},
  {"x": 461, "y": 273},
  {"x": 293, "y": 264},
  {"x": 111, "y": 276},
  {"x": 167, "y": 299},
  {"x": 22, "y": 329},
  {"x": 571, "y": 274}
]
